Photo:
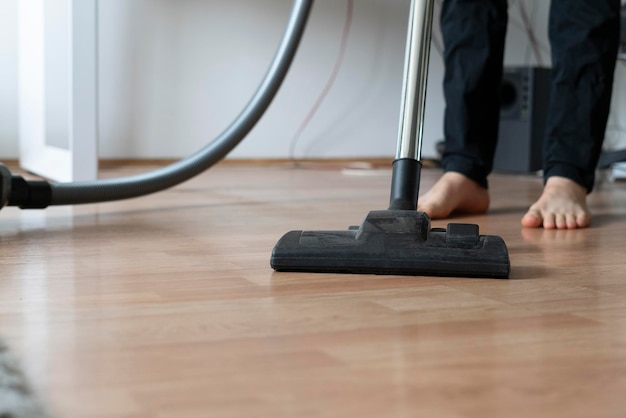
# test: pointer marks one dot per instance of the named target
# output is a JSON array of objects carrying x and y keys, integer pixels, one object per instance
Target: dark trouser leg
[
  {"x": 584, "y": 35},
  {"x": 473, "y": 35}
]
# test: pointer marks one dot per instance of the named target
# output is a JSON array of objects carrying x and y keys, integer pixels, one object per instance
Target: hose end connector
[
  {"x": 27, "y": 194},
  {"x": 5, "y": 185}
]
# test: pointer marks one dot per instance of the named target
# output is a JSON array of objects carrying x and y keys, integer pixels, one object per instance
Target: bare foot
[
  {"x": 562, "y": 205},
  {"x": 454, "y": 193}
]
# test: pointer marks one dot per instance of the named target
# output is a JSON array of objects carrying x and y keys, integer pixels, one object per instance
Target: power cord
[{"x": 329, "y": 83}]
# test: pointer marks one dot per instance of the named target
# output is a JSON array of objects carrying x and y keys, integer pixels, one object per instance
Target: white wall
[
  {"x": 174, "y": 73},
  {"x": 8, "y": 79}
]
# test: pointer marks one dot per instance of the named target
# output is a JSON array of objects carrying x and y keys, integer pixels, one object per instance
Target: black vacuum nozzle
[{"x": 395, "y": 242}]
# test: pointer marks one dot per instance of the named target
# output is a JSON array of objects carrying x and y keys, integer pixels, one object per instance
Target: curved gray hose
[{"x": 176, "y": 173}]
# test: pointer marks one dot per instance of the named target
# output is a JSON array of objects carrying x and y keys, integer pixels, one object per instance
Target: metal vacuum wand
[
  {"x": 411, "y": 130},
  {"x": 407, "y": 165}
]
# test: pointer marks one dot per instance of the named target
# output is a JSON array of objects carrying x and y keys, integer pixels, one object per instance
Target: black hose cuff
[
  {"x": 5, "y": 185},
  {"x": 405, "y": 183},
  {"x": 32, "y": 194}
]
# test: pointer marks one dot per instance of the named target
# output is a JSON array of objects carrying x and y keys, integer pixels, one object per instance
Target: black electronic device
[{"x": 524, "y": 98}]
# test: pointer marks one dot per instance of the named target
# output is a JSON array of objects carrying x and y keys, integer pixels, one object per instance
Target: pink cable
[{"x": 329, "y": 83}]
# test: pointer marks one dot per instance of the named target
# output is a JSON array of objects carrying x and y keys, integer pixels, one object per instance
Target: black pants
[{"x": 584, "y": 37}]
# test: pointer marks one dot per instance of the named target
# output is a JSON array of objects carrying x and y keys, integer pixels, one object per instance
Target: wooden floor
[{"x": 165, "y": 306}]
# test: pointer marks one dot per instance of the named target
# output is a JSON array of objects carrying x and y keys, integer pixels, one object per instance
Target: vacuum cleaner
[
  {"x": 396, "y": 241},
  {"x": 400, "y": 240}
]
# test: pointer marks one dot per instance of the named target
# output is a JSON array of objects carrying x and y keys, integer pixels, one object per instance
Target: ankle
[
  {"x": 460, "y": 179},
  {"x": 564, "y": 186}
]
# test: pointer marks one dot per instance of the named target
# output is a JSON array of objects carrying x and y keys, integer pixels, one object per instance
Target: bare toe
[
  {"x": 583, "y": 220},
  {"x": 532, "y": 220}
]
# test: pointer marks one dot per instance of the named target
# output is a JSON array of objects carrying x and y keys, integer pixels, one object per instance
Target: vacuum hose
[{"x": 22, "y": 195}]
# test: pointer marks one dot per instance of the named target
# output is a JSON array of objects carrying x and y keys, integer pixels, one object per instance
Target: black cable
[
  {"x": 532, "y": 39},
  {"x": 436, "y": 42}
]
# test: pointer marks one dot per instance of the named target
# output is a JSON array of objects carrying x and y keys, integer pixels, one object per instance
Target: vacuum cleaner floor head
[{"x": 395, "y": 242}]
